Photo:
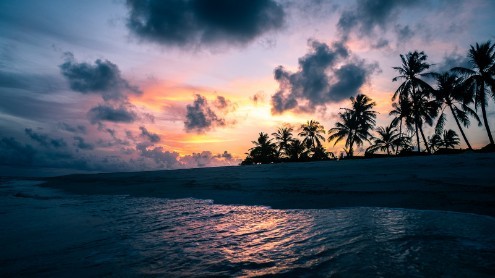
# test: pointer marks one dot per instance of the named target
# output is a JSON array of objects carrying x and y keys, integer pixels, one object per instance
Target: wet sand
[{"x": 461, "y": 182}]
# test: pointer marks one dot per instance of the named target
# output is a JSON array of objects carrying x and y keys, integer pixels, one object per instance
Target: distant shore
[{"x": 461, "y": 182}]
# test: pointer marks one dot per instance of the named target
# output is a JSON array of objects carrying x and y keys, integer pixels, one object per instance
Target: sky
[{"x": 103, "y": 86}]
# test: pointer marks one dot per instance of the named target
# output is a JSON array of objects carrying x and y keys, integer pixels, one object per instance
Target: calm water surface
[{"x": 47, "y": 233}]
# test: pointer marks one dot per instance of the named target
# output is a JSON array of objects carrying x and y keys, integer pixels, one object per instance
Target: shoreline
[{"x": 458, "y": 182}]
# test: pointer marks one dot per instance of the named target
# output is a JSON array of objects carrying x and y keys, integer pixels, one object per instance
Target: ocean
[{"x": 45, "y": 232}]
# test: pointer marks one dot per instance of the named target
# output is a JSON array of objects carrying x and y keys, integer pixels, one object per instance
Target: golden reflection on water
[{"x": 263, "y": 237}]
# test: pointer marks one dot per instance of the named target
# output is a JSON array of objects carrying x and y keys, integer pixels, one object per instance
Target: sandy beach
[{"x": 462, "y": 183}]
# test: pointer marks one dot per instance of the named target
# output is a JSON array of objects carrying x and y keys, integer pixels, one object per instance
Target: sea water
[{"x": 44, "y": 232}]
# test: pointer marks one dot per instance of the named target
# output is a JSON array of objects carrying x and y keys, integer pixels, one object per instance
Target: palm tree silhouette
[
  {"x": 356, "y": 123},
  {"x": 450, "y": 93},
  {"x": 424, "y": 110},
  {"x": 388, "y": 139},
  {"x": 480, "y": 77},
  {"x": 296, "y": 150},
  {"x": 283, "y": 137},
  {"x": 264, "y": 150},
  {"x": 413, "y": 88},
  {"x": 448, "y": 139},
  {"x": 402, "y": 113},
  {"x": 312, "y": 133}
]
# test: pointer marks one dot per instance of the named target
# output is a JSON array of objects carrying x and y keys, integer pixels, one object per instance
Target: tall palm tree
[
  {"x": 388, "y": 139},
  {"x": 312, "y": 133},
  {"x": 264, "y": 150},
  {"x": 424, "y": 110},
  {"x": 480, "y": 77},
  {"x": 450, "y": 93},
  {"x": 411, "y": 71},
  {"x": 356, "y": 123},
  {"x": 283, "y": 137},
  {"x": 402, "y": 113}
]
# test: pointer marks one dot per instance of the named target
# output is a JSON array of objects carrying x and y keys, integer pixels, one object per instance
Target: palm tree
[
  {"x": 312, "y": 133},
  {"x": 435, "y": 142},
  {"x": 424, "y": 110},
  {"x": 264, "y": 150},
  {"x": 388, "y": 139},
  {"x": 411, "y": 71},
  {"x": 402, "y": 113},
  {"x": 356, "y": 123},
  {"x": 296, "y": 150},
  {"x": 480, "y": 77},
  {"x": 283, "y": 137},
  {"x": 449, "y": 139},
  {"x": 450, "y": 92}
]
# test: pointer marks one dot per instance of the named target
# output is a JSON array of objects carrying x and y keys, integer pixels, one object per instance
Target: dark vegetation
[{"x": 417, "y": 103}]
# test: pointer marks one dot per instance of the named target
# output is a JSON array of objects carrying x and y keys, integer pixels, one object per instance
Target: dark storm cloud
[
  {"x": 45, "y": 140},
  {"x": 349, "y": 78},
  {"x": 103, "y": 112},
  {"x": 326, "y": 74},
  {"x": 152, "y": 137},
  {"x": 80, "y": 143},
  {"x": 368, "y": 15},
  {"x": 200, "y": 116},
  {"x": 203, "y": 22},
  {"x": 14, "y": 153},
  {"x": 451, "y": 61},
  {"x": 102, "y": 77},
  {"x": 72, "y": 128}
]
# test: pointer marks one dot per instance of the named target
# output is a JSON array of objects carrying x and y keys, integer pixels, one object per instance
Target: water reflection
[{"x": 108, "y": 235}]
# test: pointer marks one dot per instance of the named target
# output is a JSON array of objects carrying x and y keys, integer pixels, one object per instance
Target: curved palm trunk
[
  {"x": 460, "y": 128},
  {"x": 417, "y": 136},
  {"x": 483, "y": 111},
  {"x": 400, "y": 137},
  {"x": 424, "y": 139}
]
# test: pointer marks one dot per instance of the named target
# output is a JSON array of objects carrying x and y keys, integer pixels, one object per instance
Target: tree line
[{"x": 416, "y": 103}]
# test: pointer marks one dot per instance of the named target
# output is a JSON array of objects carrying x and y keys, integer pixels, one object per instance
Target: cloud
[
  {"x": 104, "y": 112},
  {"x": 259, "y": 97},
  {"x": 80, "y": 143},
  {"x": 14, "y": 153},
  {"x": 207, "y": 159},
  {"x": 404, "y": 33},
  {"x": 72, "y": 128},
  {"x": 326, "y": 74},
  {"x": 41, "y": 83},
  {"x": 369, "y": 16},
  {"x": 44, "y": 140},
  {"x": 164, "y": 159},
  {"x": 452, "y": 60},
  {"x": 221, "y": 102},
  {"x": 102, "y": 77},
  {"x": 201, "y": 117},
  {"x": 190, "y": 23},
  {"x": 152, "y": 137}
]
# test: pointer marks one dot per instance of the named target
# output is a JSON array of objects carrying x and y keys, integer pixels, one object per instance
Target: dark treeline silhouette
[{"x": 417, "y": 103}]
